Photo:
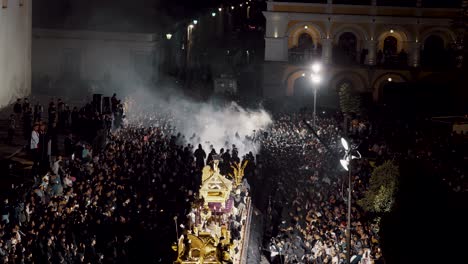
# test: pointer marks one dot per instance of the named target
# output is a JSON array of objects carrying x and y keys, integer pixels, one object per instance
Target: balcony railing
[
  {"x": 398, "y": 3},
  {"x": 303, "y": 57},
  {"x": 397, "y": 61}
]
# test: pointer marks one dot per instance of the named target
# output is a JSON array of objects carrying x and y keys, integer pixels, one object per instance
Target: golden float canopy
[{"x": 215, "y": 187}]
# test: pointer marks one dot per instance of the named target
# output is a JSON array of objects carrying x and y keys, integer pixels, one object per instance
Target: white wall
[
  {"x": 15, "y": 51},
  {"x": 94, "y": 56}
]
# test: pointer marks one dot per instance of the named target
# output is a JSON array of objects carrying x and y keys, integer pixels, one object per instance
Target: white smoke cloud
[{"x": 213, "y": 125}]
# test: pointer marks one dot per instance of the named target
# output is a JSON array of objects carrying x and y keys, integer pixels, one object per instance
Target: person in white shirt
[
  {"x": 34, "y": 145},
  {"x": 35, "y": 138}
]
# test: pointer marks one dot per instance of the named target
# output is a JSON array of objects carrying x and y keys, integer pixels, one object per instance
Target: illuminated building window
[{"x": 4, "y": 3}]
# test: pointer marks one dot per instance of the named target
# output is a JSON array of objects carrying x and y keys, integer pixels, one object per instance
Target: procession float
[{"x": 218, "y": 222}]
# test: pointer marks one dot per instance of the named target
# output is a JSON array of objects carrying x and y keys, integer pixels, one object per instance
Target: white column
[
  {"x": 415, "y": 54},
  {"x": 327, "y": 51},
  {"x": 371, "y": 46},
  {"x": 276, "y": 49}
]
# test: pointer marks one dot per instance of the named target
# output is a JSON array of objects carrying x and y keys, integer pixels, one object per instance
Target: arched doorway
[
  {"x": 302, "y": 87},
  {"x": 390, "y": 45},
  {"x": 304, "y": 51},
  {"x": 305, "y": 42},
  {"x": 390, "y": 50},
  {"x": 434, "y": 52},
  {"x": 346, "y": 48}
]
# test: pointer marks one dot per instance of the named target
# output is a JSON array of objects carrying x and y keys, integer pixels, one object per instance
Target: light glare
[
  {"x": 344, "y": 164},
  {"x": 344, "y": 143},
  {"x": 316, "y": 67}
]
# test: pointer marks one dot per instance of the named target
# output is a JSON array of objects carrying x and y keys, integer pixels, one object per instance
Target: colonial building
[
  {"x": 364, "y": 45},
  {"x": 73, "y": 62},
  {"x": 15, "y": 50}
]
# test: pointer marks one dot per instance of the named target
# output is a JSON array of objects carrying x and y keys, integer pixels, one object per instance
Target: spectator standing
[{"x": 11, "y": 129}]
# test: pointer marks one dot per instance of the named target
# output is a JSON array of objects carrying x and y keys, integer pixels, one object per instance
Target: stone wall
[{"x": 15, "y": 51}]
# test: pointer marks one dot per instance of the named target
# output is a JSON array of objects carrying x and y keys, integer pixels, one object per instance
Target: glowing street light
[
  {"x": 345, "y": 144},
  {"x": 190, "y": 26},
  {"x": 389, "y": 79},
  {"x": 168, "y": 36},
  {"x": 344, "y": 164},
  {"x": 316, "y": 67},
  {"x": 195, "y": 21},
  {"x": 213, "y": 14},
  {"x": 316, "y": 79},
  {"x": 232, "y": 7},
  {"x": 220, "y": 9}
]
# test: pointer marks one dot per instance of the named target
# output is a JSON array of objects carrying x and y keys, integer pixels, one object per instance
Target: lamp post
[
  {"x": 346, "y": 164},
  {"x": 176, "y": 229},
  {"x": 316, "y": 79}
]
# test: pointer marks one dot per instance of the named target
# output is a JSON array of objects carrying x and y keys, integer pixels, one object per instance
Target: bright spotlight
[
  {"x": 391, "y": 31},
  {"x": 190, "y": 26},
  {"x": 316, "y": 67},
  {"x": 306, "y": 27},
  {"x": 344, "y": 164},
  {"x": 316, "y": 78},
  {"x": 213, "y": 14},
  {"x": 168, "y": 36},
  {"x": 240, "y": 5},
  {"x": 389, "y": 79},
  {"x": 220, "y": 9},
  {"x": 232, "y": 7},
  {"x": 195, "y": 21},
  {"x": 345, "y": 144}
]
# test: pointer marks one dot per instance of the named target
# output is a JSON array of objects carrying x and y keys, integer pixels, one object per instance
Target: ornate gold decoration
[
  {"x": 238, "y": 175},
  {"x": 215, "y": 187},
  {"x": 202, "y": 250}
]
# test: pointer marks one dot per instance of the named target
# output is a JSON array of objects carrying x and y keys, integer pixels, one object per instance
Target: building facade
[
  {"x": 364, "y": 45},
  {"x": 98, "y": 62},
  {"x": 15, "y": 50}
]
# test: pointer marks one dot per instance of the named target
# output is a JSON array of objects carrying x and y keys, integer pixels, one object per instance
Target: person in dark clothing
[
  {"x": 114, "y": 103},
  {"x": 52, "y": 111},
  {"x": 209, "y": 160},
  {"x": 11, "y": 129},
  {"x": 200, "y": 156},
  {"x": 68, "y": 145},
  {"x": 18, "y": 109},
  {"x": 26, "y": 104},
  {"x": 27, "y": 122}
]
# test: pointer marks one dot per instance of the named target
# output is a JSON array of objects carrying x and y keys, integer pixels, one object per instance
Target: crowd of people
[
  {"x": 307, "y": 208},
  {"x": 105, "y": 201},
  {"x": 110, "y": 194}
]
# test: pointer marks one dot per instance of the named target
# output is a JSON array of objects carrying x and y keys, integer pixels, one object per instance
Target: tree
[
  {"x": 350, "y": 102},
  {"x": 383, "y": 186}
]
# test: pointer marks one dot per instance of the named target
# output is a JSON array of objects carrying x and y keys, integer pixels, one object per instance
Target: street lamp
[
  {"x": 316, "y": 79},
  {"x": 168, "y": 36},
  {"x": 346, "y": 164},
  {"x": 177, "y": 230},
  {"x": 195, "y": 21}
]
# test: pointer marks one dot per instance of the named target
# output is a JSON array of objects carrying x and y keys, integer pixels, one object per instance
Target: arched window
[
  {"x": 302, "y": 87},
  {"x": 305, "y": 42},
  {"x": 390, "y": 46},
  {"x": 346, "y": 48},
  {"x": 434, "y": 52}
]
